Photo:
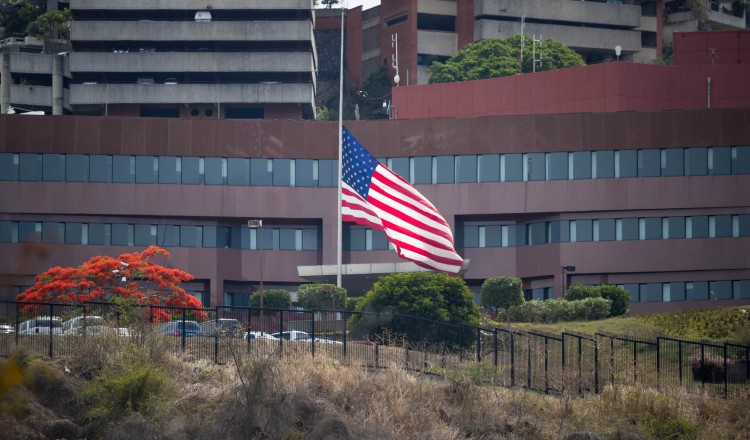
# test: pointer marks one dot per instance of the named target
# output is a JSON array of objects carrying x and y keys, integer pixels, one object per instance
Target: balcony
[
  {"x": 147, "y": 30},
  {"x": 575, "y": 12},
  {"x": 190, "y": 5},
  {"x": 722, "y": 16},
  {"x": 437, "y": 43},
  {"x": 35, "y": 96},
  {"x": 30, "y": 63}
]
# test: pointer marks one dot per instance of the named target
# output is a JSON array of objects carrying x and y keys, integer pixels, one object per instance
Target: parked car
[
  {"x": 5, "y": 328},
  {"x": 259, "y": 335},
  {"x": 320, "y": 340},
  {"x": 41, "y": 325},
  {"x": 291, "y": 335},
  {"x": 176, "y": 328},
  {"x": 221, "y": 327},
  {"x": 91, "y": 325}
]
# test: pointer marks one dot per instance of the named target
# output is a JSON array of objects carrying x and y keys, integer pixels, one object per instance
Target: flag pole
[{"x": 341, "y": 135}]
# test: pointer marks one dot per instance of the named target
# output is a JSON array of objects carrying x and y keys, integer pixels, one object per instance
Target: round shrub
[
  {"x": 619, "y": 296},
  {"x": 580, "y": 291},
  {"x": 590, "y": 309},
  {"x": 529, "y": 311},
  {"x": 501, "y": 292}
]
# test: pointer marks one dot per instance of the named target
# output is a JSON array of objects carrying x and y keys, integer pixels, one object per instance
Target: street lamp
[
  {"x": 258, "y": 224},
  {"x": 565, "y": 279}
]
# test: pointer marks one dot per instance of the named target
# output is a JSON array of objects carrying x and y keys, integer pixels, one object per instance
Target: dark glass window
[
  {"x": 537, "y": 233},
  {"x": 650, "y": 228},
  {"x": 676, "y": 292},
  {"x": 493, "y": 236},
  {"x": 744, "y": 225},
  {"x": 29, "y": 232},
  {"x": 215, "y": 237},
  {"x": 146, "y": 169},
  {"x": 584, "y": 230},
  {"x": 357, "y": 239},
  {"x": 560, "y": 231},
  {"x": 53, "y": 232},
  {"x": 7, "y": 233},
  {"x": 310, "y": 239},
  {"x": 287, "y": 239},
  {"x": 420, "y": 169},
  {"x": 76, "y": 168},
  {"x": 604, "y": 164},
  {"x": 720, "y": 289},
  {"x": 627, "y": 229},
  {"x": 696, "y": 161},
  {"x": 516, "y": 235},
  {"x": 192, "y": 170},
  {"x": 145, "y": 235},
  {"x": 169, "y": 169},
  {"x": 238, "y": 171},
  {"x": 215, "y": 170},
  {"x": 168, "y": 235},
  {"x": 489, "y": 167},
  {"x": 741, "y": 289},
  {"x": 328, "y": 173},
  {"x": 633, "y": 290},
  {"x": 74, "y": 234},
  {"x": 261, "y": 172},
  {"x": 270, "y": 239},
  {"x": 649, "y": 163},
  {"x": 676, "y": 227},
  {"x": 9, "y": 166},
  {"x": 53, "y": 167},
  {"x": 557, "y": 166},
  {"x": 697, "y": 290},
  {"x": 512, "y": 167},
  {"x": 650, "y": 292},
  {"x": 400, "y": 166},
  {"x": 466, "y": 168},
  {"x": 698, "y": 227},
  {"x": 444, "y": 169},
  {"x": 720, "y": 161},
  {"x": 471, "y": 236},
  {"x": 379, "y": 240},
  {"x": 30, "y": 167},
  {"x": 606, "y": 229},
  {"x": 282, "y": 172},
  {"x": 239, "y": 238},
  {"x": 305, "y": 172},
  {"x": 534, "y": 166},
  {"x": 122, "y": 235},
  {"x": 100, "y": 168},
  {"x": 672, "y": 162},
  {"x": 720, "y": 225},
  {"x": 191, "y": 236},
  {"x": 581, "y": 165},
  {"x": 627, "y": 163},
  {"x": 100, "y": 233},
  {"x": 123, "y": 169},
  {"x": 741, "y": 160}
]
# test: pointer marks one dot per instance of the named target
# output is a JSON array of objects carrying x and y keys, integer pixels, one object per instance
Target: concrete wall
[
  {"x": 438, "y": 7},
  {"x": 610, "y": 14},
  {"x": 30, "y": 63},
  {"x": 134, "y": 31},
  {"x": 437, "y": 43}
]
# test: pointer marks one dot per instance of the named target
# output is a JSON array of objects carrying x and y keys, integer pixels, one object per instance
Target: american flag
[{"x": 375, "y": 196}]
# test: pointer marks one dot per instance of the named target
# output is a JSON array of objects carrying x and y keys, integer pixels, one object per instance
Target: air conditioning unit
[{"x": 203, "y": 16}]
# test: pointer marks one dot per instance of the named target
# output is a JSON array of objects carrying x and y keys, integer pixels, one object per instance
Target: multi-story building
[{"x": 704, "y": 15}]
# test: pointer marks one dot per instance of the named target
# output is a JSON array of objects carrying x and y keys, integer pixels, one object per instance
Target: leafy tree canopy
[
  {"x": 100, "y": 277},
  {"x": 496, "y": 57},
  {"x": 51, "y": 25},
  {"x": 502, "y": 292},
  {"x": 15, "y": 15},
  {"x": 322, "y": 296},
  {"x": 272, "y": 299}
]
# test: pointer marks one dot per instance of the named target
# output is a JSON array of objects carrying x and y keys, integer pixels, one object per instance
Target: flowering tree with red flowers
[{"x": 134, "y": 277}]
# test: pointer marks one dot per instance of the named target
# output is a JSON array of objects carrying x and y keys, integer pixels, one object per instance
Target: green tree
[
  {"x": 322, "y": 297},
  {"x": 439, "y": 298},
  {"x": 619, "y": 296},
  {"x": 581, "y": 291},
  {"x": 51, "y": 25},
  {"x": 501, "y": 292},
  {"x": 15, "y": 16},
  {"x": 272, "y": 299},
  {"x": 495, "y": 57}
]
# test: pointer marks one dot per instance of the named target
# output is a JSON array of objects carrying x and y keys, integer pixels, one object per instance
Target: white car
[
  {"x": 292, "y": 335},
  {"x": 41, "y": 325},
  {"x": 90, "y": 325},
  {"x": 259, "y": 335}
]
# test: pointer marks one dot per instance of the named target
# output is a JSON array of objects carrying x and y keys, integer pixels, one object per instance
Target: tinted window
[
  {"x": 557, "y": 166},
  {"x": 123, "y": 169},
  {"x": 741, "y": 289},
  {"x": 357, "y": 239},
  {"x": 53, "y": 167},
  {"x": 328, "y": 173},
  {"x": 560, "y": 231},
  {"x": 444, "y": 169},
  {"x": 650, "y": 292},
  {"x": 744, "y": 225},
  {"x": 676, "y": 291},
  {"x": 310, "y": 239},
  {"x": 511, "y": 167},
  {"x": 720, "y": 161},
  {"x": 146, "y": 169},
  {"x": 215, "y": 170},
  {"x": 122, "y": 235},
  {"x": 581, "y": 165},
  {"x": 8, "y": 232},
  {"x": 633, "y": 290},
  {"x": 99, "y": 233},
  {"x": 650, "y": 228},
  {"x": 77, "y": 168},
  {"x": 192, "y": 170},
  {"x": 604, "y": 164},
  {"x": 697, "y": 290},
  {"x": 420, "y": 169},
  {"x": 489, "y": 167},
  {"x": 741, "y": 160},
  {"x": 400, "y": 166},
  {"x": 466, "y": 168},
  {"x": 239, "y": 238},
  {"x": 627, "y": 229},
  {"x": 238, "y": 171},
  {"x": 720, "y": 289},
  {"x": 471, "y": 236},
  {"x": 493, "y": 236},
  {"x": 606, "y": 229},
  {"x": 697, "y": 227},
  {"x": 696, "y": 161},
  {"x": 672, "y": 162},
  {"x": 584, "y": 230},
  {"x": 626, "y": 162},
  {"x": 215, "y": 237},
  {"x": 168, "y": 235},
  {"x": 53, "y": 232},
  {"x": 306, "y": 172},
  {"x": 379, "y": 240},
  {"x": 30, "y": 167},
  {"x": 29, "y": 232},
  {"x": 287, "y": 239},
  {"x": 649, "y": 163},
  {"x": 720, "y": 225},
  {"x": 169, "y": 169},
  {"x": 145, "y": 235},
  {"x": 261, "y": 172},
  {"x": 100, "y": 168},
  {"x": 534, "y": 166},
  {"x": 9, "y": 166},
  {"x": 537, "y": 233},
  {"x": 191, "y": 236},
  {"x": 282, "y": 172},
  {"x": 74, "y": 233}
]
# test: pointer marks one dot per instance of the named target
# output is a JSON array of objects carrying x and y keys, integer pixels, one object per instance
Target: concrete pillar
[
  {"x": 5, "y": 82},
  {"x": 57, "y": 84}
]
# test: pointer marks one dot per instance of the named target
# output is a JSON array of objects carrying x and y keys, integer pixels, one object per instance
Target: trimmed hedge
[
  {"x": 619, "y": 297},
  {"x": 556, "y": 310}
]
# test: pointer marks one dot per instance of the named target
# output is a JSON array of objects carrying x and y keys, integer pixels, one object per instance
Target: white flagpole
[{"x": 341, "y": 135}]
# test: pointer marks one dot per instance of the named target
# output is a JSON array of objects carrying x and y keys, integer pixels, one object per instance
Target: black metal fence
[{"x": 549, "y": 363}]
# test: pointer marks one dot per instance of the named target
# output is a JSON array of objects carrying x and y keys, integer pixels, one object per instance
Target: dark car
[
  {"x": 176, "y": 328},
  {"x": 222, "y": 327}
]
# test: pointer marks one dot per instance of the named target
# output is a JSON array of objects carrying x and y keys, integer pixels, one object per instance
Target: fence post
[
  {"x": 703, "y": 366},
  {"x": 51, "y": 316},
  {"x": 343, "y": 336},
  {"x": 249, "y": 326},
  {"x": 494, "y": 340},
  {"x": 512, "y": 359},
  {"x": 312, "y": 339},
  {"x": 635, "y": 361},
  {"x": 679, "y": 356},
  {"x": 182, "y": 333},
  {"x": 479, "y": 345},
  {"x": 216, "y": 335},
  {"x": 546, "y": 365},
  {"x": 580, "y": 365},
  {"x": 562, "y": 346},
  {"x": 612, "y": 360},
  {"x": 281, "y": 327},
  {"x": 596, "y": 364},
  {"x": 18, "y": 323},
  {"x": 726, "y": 373},
  {"x": 658, "y": 362},
  {"x": 528, "y": 364},
  {"x": 377, "y": 354}
]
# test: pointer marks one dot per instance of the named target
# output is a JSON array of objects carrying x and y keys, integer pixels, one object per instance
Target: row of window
[
  {"x": 122, "y": 234},
  {"x": 517, "y": 167},
  {"x": 610, "y": 229},
  {"x": 673, "y": 291}
]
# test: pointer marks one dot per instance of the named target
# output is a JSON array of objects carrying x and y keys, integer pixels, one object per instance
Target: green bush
[
  {"x": 272, "y": 299},
  {"x": 619, "y": 296},
  {"x": 560, "y": 310},
  {"x": 580, "y": 291},
  {"x": 529, "y": 311},
  {"x": 591, "y": 309},
  {"x": 322, "y": 297},
  {"x": 556, "y": 310},
  {"x": 501, "y": 292}
]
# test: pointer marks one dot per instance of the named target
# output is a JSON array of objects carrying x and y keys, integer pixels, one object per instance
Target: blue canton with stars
[{"x": 358, "y": 164}]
